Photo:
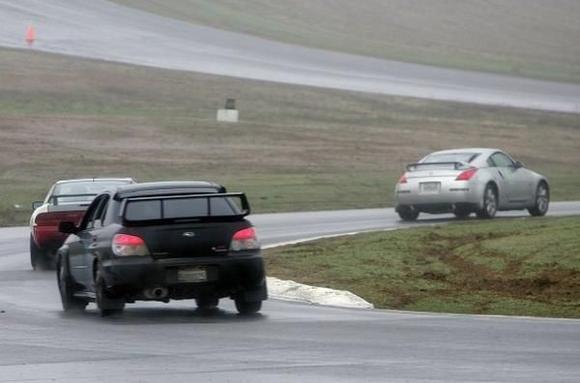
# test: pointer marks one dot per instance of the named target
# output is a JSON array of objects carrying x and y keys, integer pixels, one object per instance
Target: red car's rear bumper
[
  {"x": 48, "y": 238},
  {"x": 45, "y": 228}
]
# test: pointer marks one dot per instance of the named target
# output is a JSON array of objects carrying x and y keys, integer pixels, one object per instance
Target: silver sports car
[{"x": 471, "y": 180}]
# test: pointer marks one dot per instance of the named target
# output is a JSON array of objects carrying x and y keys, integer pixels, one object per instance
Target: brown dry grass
[{"x": 296, "y": 147}]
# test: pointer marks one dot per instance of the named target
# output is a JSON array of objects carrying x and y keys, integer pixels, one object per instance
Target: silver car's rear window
[{"x": 466, "y": 157}]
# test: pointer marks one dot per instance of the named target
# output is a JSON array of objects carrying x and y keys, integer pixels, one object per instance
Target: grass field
[
  {"x": 531, "y": 38},
  {"x": 296, "y": 148},
  {"x": 505, "y": 266}
]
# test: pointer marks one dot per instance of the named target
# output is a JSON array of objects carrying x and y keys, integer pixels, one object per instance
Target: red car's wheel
[{"x": 38, "y": 258}]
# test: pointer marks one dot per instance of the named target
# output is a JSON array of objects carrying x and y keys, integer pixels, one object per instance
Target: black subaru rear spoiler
[
  {"x": 456, "y": 165},
  {"x": 245, "y": 208}
]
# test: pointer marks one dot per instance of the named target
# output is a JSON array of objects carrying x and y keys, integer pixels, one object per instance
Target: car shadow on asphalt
[
  {"x": 169, "y": 315},
  {"x": 431, "y": 220}
]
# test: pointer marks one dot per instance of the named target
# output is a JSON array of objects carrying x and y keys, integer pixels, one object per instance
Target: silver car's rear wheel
[
  {"x": 489, "y": 203},
  {"x": 542, "y": 202},
  {"x": 407, "y": 213},
  {"x": 462, "y": 213}
]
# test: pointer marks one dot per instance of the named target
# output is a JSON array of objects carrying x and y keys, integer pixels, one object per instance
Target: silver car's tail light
[
  {"x": 403, "y": 179},
  {"x": 466, "y": 175},
  {"x": 125, "y": 245},
  {"x": 245, "y": 239}
]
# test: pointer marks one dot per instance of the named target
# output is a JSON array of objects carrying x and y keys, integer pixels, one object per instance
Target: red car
[{"x": 66, "y": 200}]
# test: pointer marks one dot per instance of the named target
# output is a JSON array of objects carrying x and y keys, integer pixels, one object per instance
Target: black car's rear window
[{"x": 158, "y": 209}]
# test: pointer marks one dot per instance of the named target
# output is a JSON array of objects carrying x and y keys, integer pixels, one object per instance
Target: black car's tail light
[
  {"x": 129, "y": 245},
  {"x": 245, "y": 239}
]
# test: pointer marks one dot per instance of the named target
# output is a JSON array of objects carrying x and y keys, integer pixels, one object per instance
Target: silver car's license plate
[
  {"x": 430, "y": 187},
  {"x": 196, "y": 274}
]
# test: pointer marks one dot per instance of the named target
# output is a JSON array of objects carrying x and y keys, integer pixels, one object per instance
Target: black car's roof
[{"x": 167, "y": 187}]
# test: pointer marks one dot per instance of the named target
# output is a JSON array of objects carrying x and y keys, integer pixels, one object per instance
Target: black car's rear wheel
[
  {"x": 407, "y": 213},
  {"x": 66, "y": 289},
  {"x": 245, "y": 307},
  {"x": 489, "y": 203},
  {"x": 106, "y": 304},
  {"x": 542, "y": 202},
  {"x": 207, "y": 303}
]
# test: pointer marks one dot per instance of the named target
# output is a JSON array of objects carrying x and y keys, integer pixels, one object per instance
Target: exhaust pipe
[{"x": 157, "y": 293}]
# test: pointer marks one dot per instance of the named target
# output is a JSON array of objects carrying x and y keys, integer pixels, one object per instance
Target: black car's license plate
[{"x": 192, "y": 274}]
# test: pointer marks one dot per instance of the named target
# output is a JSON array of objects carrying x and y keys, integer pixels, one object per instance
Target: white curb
[{"x": 298, "y": 292}]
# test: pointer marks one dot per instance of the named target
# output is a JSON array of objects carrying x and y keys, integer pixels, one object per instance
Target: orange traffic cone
[{"x": 30, "y": 35}]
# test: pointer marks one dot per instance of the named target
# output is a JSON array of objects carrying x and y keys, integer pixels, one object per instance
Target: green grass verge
[
  {"x": 504, "y": 266},
  {"x": 296, "y": 148},
  {"x": 517, "y": 37}
]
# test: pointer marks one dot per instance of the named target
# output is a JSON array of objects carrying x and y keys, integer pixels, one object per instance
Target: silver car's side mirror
[
  {"x": 519, "y": 164},
  {"x": 36, "y": 205}
]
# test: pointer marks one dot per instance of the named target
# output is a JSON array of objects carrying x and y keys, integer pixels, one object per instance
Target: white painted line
[{"x": 311, "y": 239}]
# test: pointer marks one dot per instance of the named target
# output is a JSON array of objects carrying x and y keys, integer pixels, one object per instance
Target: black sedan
[{"x": 162, "y": 241}]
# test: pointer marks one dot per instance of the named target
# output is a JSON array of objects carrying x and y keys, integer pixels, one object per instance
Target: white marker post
[{"x": 229, "y": 113}]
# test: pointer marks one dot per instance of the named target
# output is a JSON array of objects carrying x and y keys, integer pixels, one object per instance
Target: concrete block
[{"x": 228, "y": 115}]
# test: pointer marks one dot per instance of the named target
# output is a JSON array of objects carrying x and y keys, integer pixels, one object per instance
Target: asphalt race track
[
  {"x": 288, "y": 342},
  {"x": 103, "y": 30}
]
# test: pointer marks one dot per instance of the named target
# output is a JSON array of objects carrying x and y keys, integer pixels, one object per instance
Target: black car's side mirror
[
  {"x": 67, "y": 227},
  {"x": 245, "y": 206},
  {"x": 36, "y": 205},
  {"x": 519, "y": 164}
]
